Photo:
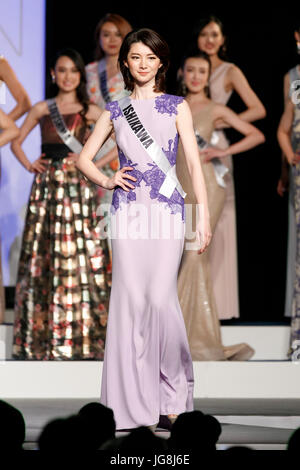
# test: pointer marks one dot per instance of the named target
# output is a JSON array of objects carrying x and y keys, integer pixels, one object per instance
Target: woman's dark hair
[
  {"x": 213, "y": 19},
  {"x": 123, "y": 26},
  {"x": 157, "y": 45},
  {"x": 81, "y": 91},
  {"x": 193, "y": 54}
]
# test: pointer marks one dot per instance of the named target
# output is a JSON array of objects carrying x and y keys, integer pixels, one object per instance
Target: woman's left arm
[
  {"x": 17, "y": 90},
  {"x": 184, "y": 122},
  {"x": 253, "y": 136},
  {"x": 237, "y": 80}
]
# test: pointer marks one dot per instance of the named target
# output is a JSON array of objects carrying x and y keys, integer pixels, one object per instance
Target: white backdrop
[{"x": 22, "y": 42}]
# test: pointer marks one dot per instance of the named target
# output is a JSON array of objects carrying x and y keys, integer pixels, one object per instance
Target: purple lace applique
[
  {"x": 155, "y": 178},
  {"x": 171, "y": 153},
  {"x": 114, "y": 108},
  {"x": 167, "y": 104},
  {"x": 119, "y": 194}
]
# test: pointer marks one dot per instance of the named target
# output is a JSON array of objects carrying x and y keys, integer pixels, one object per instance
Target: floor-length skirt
[
  {"x": 147, "y": 370},
  {"x": 63, "y": 285},
  {"x": 195, "y": 285},
  {"x": 294, "y": 349},
  {"x": 291, "y": 251},
  {"x": 2, "y": 293},
  {"x": 223, "y": 251}
]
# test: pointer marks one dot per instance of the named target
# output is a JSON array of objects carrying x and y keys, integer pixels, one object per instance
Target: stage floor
[
  {"x": 260, "y": 424},
  {"x": 257, "y": 402}
]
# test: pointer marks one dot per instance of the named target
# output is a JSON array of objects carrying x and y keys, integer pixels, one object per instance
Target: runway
[
  {"x": 257, "y": 402},
  {"x": 260, "y": 424}
]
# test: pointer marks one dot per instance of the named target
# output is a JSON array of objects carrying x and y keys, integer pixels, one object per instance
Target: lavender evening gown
[{"x": 147, "y": 369}]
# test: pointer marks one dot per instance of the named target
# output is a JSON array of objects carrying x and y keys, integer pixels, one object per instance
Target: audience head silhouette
[
  {"x": 99, "y": 423},
  {"x": 64, "y": 434},
  {"x": 140, "y": 439},
  {"x": 294, "y": 441},
  {"x": 12, "y": 431},
  {"x": 195, "y": 431}
]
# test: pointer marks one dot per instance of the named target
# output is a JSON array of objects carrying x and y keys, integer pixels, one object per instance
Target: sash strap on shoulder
[
  {"x": 220, "y": 169},
  {"x": 58, "y": 121},
  {"x": 103, "y": 80},
  {"x": 61, "y": 128},
  {"x": 152, "y": 148}
]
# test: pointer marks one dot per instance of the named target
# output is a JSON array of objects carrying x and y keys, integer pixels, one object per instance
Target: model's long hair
[
  {"x": 195, "y": 54},
  {"x": 124, "y": 27},
  {"x": 157, "y": 45},
  {"x": 204, "y": 22},
  {"x": 81, "y": 91}
]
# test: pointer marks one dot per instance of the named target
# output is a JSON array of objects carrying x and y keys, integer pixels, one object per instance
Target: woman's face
[
  {"x": 67, "y": 75},
  {"x": 210, "y": 39},
  {"x": 195, "y": 74},
  {"x": 110, "y": 39},
  {"x": 142, "y": 63}
]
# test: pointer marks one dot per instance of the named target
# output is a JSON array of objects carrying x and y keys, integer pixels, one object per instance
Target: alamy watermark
[{"x": 139, "y": 221}]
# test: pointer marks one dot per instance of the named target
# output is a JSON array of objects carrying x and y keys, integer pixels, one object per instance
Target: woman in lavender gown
[{"x": 147, "y": 369}]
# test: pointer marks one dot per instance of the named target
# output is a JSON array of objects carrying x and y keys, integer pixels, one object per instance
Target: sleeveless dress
[
  {"x": 2, "y": 295},
  {"x": 223, "y": 251},
  {"x": 116, "y": 91},
  {"x": 294, "y": 74},
  {"x": 294, "y": 350},
  {"x": 195, "y": 283},
  {"x": 147, "y": 369},
  {"x": 63, "y": 285}
]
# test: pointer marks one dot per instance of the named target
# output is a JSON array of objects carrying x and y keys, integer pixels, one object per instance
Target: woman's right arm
[
  {"x": 283, "y": 133},
  {"x": 32, "y": 119},
  {"x": 9, "y": 129},
  {"x": 100, "y": 134}
]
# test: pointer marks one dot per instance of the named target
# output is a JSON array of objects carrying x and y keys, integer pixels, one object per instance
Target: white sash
[
  {"x": 58, "y": 121},
  {"x": 103, "y": 81},
  {"x": 219, "y": 168},
  {"x": 152, "y": 148},
  {"x": 61, "y": 128}
]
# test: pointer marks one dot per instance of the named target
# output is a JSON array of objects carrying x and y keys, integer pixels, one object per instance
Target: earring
[
  {"x": 298, "y": 47},
  {"x": 53, "y": 78},
  {"x": 183, "y": 85}
]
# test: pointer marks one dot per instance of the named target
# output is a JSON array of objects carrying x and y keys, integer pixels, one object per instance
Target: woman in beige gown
[
  {"x": 9, "y": 131},
  {"x": 195, "y": 285},
  {"x": 225, "y": 78}
]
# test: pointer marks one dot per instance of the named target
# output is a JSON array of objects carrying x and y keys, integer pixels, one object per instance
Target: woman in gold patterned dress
[
  {"x": 63, "y": 283},
  {"x": 195, "y": 285}
]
